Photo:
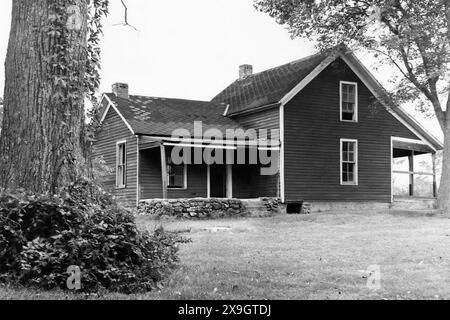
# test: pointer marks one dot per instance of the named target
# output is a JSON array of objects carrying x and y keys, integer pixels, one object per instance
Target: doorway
[{"x": 218, "y": 181}]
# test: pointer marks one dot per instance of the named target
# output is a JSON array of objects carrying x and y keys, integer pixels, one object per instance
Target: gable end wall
[
  {"x": 312, "y": 142},
  {"x": 113, "y": 130}
]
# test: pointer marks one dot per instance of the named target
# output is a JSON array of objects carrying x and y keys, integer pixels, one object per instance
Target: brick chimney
[
  {"x": 121, "y": 90},
  {"x": 245, "y": 70}
]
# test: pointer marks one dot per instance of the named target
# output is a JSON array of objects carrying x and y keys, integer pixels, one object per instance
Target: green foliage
[{"x": 41, "y": 236}]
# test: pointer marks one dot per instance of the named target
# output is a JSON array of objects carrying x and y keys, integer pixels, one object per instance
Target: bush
[{"x": 41, "y": 236}]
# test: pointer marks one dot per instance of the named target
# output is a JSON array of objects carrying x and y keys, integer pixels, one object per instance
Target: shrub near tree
[
  {"x": 41, "y": 236},
  {"x": 45, "y": 150}
]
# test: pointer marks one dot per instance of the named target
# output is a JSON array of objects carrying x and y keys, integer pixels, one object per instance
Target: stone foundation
[{"x": 193, "y": 208}]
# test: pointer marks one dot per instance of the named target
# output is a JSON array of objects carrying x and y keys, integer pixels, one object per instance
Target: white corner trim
[
  {"x": 112, "y": 105},
  {"x": 282, "y": 154},
  {"x": 229, "y": 181},
  {"x": 356, "y": 101},
  {"x": 356, "y": 183},
  {"x": 138, "y": 171},
  {"x": 392, "y": 169},
  {"x": 226, "y": 110}
]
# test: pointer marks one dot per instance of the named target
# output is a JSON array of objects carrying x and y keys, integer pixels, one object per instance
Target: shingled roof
[
  {"x": 267, "y": 87},
  {"x": 151, "y": 116},
  {"x": 279, "y": 84}
]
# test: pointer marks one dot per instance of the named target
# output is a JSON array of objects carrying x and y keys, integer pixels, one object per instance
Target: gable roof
[
  {"x": 279, "y": 85},
  {"x": 267, "y": 87},
  {"x": 151, "y": 116}
]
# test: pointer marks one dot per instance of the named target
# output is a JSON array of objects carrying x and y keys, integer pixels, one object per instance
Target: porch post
[
  {"x": 208, "y": 181},
  {"x": 411, "y": 174},
  {"x": 435, "y": 191},
  {"x": 229, "y": 181},
  {"x": 138, "y": 171},
  {"x": 164, "y": 171}
]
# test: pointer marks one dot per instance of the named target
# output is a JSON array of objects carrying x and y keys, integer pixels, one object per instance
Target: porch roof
[
  {"x": 262, "y": 144},
  {"x": 403, "y": 147}
]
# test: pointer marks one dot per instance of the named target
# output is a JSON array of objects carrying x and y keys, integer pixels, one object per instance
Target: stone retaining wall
[{"x": 193, "y": 208}]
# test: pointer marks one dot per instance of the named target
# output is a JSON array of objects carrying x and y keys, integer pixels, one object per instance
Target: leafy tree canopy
[{"x": 411, "y": 35}]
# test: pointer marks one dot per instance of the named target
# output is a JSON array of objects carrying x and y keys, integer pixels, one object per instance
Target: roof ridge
[
  {"x": 285, "y": 64},
  {"x": 166, "y": 98}
]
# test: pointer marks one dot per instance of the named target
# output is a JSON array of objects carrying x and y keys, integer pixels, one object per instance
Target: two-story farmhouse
[{"x": 331, "y": 136}]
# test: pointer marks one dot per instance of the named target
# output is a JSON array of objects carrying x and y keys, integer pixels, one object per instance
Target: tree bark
[
  {"x": 444, "y": 190},
  {"x": 41, "y": 138}
]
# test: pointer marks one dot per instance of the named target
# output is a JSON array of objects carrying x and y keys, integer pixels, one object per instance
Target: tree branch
[{"x": 125, "y": 23}]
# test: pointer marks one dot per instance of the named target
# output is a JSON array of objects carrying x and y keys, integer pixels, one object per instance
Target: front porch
[
  {"x": 414, "y": 173},
  {"x": 225, "y": 176}
]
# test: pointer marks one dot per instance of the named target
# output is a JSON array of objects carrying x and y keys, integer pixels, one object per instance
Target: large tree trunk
[
  {"x": 42, "y": 132},
  {"x": 444, "y": 190}
]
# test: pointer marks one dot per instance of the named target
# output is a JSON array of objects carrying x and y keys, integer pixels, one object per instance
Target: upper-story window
[
  {"x": 349, "y": 101},
  {"x": 121, "y": 165}
]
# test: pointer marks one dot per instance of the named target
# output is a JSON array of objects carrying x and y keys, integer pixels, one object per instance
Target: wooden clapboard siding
[
  {"x": 112, "y": 131},
  {"x": 267, "y": 119},
  {"x": 244, "y": 180},
  {"x": 248, "y": 183},
  {"x": 312, "y": 142},
  {"x": 150, "y": 174},
  {"x": 151, "y": 178},
  {"x": 197, "y": 184},
  {"x": 261, "y": 186}
]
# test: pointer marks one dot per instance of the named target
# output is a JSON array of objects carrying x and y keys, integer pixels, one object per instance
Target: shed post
[
  {"x": 411, "y": 174},
  {"x": 164, "y": 171},
  {"x": 435, "y": 191}
]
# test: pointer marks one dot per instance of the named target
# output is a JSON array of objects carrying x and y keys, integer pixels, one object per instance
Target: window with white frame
[
  {"x": 349, "y": 101},
  {"x": 349, "y": 162},
  {"x": 176, "y": 175},
  {"x": 121, "y": 165}
]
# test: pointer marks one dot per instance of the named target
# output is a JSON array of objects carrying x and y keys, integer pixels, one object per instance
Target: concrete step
[
  {"x": 414, "y": 204},
  {"x": 256, "y": 208}
]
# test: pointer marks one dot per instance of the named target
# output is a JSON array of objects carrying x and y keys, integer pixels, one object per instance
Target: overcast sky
[{"x": 186, "y": 49}]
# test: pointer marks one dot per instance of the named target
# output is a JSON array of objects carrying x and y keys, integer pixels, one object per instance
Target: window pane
[
  {"x": 351, "y": 146},
  {"x": 348, "y": 107},
  {"x": 121, "y": 165},
  {"x": 348, "y": 102},
  {"x": 351, "y": 93},
  {"x": 123, "y": 155},
  {"x": 347, "y": 116},
  {"x": 351, "y": 157},
  {"x": 120, "y": 176},
  {"x": 345, "y": 157},
  {"x": 348, "y": 172},
  {"x": 176, "y": 176},
  {"x": 344, "y": 172}
]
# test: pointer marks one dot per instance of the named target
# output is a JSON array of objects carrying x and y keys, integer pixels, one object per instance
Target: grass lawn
[{"x": 321, "y": 256}]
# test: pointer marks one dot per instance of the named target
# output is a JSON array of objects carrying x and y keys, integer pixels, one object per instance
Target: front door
[{"x": 218, "y": 181}]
